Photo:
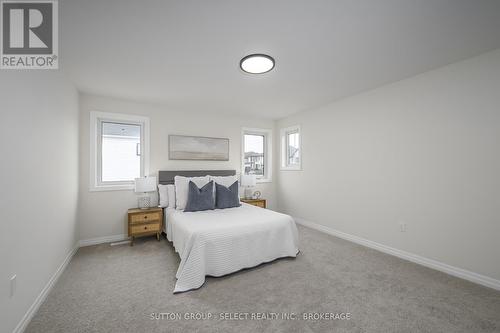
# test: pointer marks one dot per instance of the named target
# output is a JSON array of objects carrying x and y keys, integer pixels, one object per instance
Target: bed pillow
[
  {"x": 200, "y": 198},
  {"x": 225, "y": 180},
  {"x": 163, "y": 196},
  {"x": 171, "y": 195},
  {"x": 227, "y": 197},
  {"x": 182, "y": 188}
]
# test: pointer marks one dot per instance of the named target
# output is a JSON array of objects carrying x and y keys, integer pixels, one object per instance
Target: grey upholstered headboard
[{"x": 167, "y": 177}]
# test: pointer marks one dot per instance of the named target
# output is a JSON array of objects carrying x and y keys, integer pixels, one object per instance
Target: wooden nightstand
[
  {"x": 144, "y": 222},
  {"x": 255, "y": 202}
]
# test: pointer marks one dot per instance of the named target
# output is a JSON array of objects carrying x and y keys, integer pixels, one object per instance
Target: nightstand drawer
[
  {"x": 151, "y": 227},
  {"x": 141, "y": 218}
]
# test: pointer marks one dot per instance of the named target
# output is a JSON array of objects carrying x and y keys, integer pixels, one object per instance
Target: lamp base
[
  {"x": 248, "y": 193},
  {"x": 144, "y": 202}
]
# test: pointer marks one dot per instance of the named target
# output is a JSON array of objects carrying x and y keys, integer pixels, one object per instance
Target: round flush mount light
[{"x": 257, "y": 63}]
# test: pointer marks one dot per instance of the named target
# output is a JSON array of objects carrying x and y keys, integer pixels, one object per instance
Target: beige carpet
[{"x": 116, "y": 289}]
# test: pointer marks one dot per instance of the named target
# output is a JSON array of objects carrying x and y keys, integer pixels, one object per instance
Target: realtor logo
[{"x": 29, "y": 34}]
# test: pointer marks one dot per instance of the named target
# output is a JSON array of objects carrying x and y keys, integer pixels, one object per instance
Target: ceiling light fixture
[{"x": 257, "y": 63}]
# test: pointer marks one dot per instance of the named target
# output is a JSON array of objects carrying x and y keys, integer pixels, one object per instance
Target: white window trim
[
  {"x": 268, "y": 151},
  {"x": 95, "y": 118},
  {"x": 283, "y": 163}
]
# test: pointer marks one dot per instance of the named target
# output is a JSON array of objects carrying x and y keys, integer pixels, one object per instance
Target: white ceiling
[{"x": 185, "y": 54}]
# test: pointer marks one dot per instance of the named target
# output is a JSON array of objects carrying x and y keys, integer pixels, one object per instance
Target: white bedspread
[{"x": 222, "y": 241}]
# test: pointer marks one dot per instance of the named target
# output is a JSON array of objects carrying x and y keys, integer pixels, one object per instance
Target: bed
[{"x": 222, "y": 241}]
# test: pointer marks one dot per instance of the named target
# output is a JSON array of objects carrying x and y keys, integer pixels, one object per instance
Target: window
[
  {"x": 256, "y": 152},
  {"x": 119, "y": 150},
  {"x": 291, "y": 148}
]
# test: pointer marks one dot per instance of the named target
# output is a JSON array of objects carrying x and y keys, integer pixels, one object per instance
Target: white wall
[
  {"x": 39, "y": 183},
  {"x": 425, "y": 151},
  {"x": 104, "y": 213}
]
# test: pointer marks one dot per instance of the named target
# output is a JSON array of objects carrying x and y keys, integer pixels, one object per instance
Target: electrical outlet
[
  {"x": 402, "y": 227},
  {"x": 13, "y": 285}
]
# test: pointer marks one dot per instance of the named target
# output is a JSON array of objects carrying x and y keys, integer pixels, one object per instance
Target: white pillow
[
  {"x": 225, "y": 181},
  {"x": 182, "y": 188},
  {"x": 171, "y": 195},
  {"x": 163, "y": 195}
]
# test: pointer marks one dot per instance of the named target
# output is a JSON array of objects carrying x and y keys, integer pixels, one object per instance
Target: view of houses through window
[
  {"x": 254, "y": 161},
  {"x": 290, "y": 148},
  {"x": 292, "y": 139}
]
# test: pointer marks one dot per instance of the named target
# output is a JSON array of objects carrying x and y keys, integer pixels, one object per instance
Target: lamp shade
[
  {"x": 145, "y": 184},
  {"x": 248, "y": 180}
]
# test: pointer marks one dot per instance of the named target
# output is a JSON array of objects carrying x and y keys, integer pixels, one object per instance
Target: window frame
[
  {"x": 284, "y": 148},
  {"x": 268, "y": 151},
  {"x": 96, "y": 120}
]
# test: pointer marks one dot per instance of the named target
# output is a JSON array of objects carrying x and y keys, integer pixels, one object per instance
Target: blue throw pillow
[
  {"x": 227, "y": 197},
  {"x": 200, "y": 198}
]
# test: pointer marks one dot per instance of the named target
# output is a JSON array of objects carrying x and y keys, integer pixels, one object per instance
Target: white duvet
[{"x": 223, "y": 241}]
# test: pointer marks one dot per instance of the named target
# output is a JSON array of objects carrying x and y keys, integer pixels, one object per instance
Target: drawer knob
[
  {"x": 145, "y": 216},
  {"x": 145, "y": 228}
]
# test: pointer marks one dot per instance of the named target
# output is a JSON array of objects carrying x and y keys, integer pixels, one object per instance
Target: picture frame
[{"x": 200, "y": 148}]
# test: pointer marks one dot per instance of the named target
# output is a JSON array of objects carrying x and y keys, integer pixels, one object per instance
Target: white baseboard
[
  {"x": 21, "y": 326},
  {"x": 48, "y": 287},
  {"x": 102, "y": 240},
  {"x": 451, "y": 270},
  {"x": 43, "y": 294},
  {"x": 455, "y": 271}
]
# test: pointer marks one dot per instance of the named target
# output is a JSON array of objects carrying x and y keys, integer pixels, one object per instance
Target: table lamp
[
  {"x": 145, "y": 185},
  {"x": 248, "y": 182}
]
